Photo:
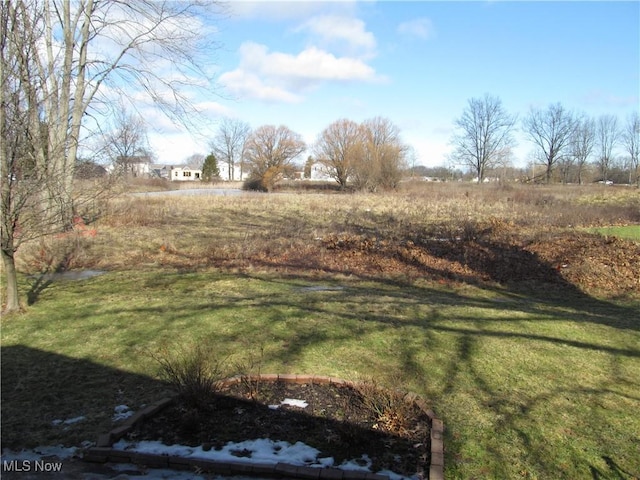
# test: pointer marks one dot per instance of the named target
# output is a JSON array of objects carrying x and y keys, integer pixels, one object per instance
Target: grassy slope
[{"x": 536, "y": 384}]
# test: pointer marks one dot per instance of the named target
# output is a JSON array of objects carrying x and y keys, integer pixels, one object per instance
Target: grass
[
  {"x": 531, "y": 383},
  {"x": 631, "y": 232}
]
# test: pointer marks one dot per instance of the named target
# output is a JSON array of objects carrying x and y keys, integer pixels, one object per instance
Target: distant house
[
  {"x": 239, "y": 174},
  {"x": 320, "y": 173},
  {"x": 185, "y": 174},
  {"x": 135, "y": 165},
  {"x": 160, "y": 171}
]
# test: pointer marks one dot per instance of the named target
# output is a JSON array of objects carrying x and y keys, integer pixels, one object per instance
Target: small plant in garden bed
[{"x": 193, "y": 371}]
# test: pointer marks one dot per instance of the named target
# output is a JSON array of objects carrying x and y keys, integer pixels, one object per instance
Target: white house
[
  {"x": 135, "y": 166},
  {"x": 223, "y": 168},
  {"x": 320, "y": 172},
  {"x": 185, "y": 174}
]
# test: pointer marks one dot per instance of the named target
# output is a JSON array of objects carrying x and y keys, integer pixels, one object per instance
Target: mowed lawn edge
[
  {"x": 631, "y": 232},
  {"x": 530, "y": 385}
]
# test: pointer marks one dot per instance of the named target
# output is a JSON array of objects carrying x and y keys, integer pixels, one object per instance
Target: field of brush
[{"x": 502, "y": 305}]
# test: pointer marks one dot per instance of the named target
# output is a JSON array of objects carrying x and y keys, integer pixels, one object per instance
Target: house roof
[{"x": 134, "y": 158}]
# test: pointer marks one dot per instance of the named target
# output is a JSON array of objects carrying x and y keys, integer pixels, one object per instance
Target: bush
[
  {"x": 254, "y": 184},
  {"x": 194, "y": 372},
  {"x": 392, "y": 412}
]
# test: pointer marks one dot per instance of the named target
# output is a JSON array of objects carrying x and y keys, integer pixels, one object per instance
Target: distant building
[
  {"x": 185, "y": 174},
  {"x": 240, "y": 174},
  {"x": 135, "y": 165},
  {"x": 160, "y": 171},
  {"x": 320, "y": 173}
]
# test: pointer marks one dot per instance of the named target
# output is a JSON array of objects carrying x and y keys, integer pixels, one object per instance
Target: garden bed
[{"x": 338, "y": 426}]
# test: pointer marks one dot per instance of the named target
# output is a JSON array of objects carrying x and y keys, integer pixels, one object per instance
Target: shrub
[
  {"x": 393, "y": 413},
  {"x": 254, "y": 184},
  {"x": 193, "y": 371}
]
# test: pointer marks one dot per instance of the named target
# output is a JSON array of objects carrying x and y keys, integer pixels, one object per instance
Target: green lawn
[
  {"x": 628, "y": 231},
  {"x": 538, "y": 385}
]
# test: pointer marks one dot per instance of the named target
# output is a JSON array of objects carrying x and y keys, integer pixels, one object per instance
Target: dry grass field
[{"x": 506, "y": 234}]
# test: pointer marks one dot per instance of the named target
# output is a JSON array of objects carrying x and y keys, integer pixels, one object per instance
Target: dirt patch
[{"x": 337, "y": 420}]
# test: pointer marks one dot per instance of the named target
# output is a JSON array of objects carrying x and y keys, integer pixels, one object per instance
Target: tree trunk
[{"x": 12, "y": 302}]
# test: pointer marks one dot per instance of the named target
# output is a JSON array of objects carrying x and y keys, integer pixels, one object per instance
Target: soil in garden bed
[{"x": 340, "y": 421}]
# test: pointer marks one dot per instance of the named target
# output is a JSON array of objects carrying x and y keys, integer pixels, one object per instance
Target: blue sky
[{"x": 307, "y": 64}]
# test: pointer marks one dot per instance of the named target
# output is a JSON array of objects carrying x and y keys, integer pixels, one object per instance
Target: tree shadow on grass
[
  {"x": 547, "y": 426},
  {"x": 518, "y": 281},
  {"x": 42, "y": 390},
  {"x": 40, "y": 283},
  {"x": 614, "y": 471}
]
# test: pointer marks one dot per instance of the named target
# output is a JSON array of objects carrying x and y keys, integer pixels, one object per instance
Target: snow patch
[
  {"x": 322, "y": 288},
  {"x": 250, "y": 451},
  {"x": 39, "y": 452},
  {"x": 294, "y": 402},
  {"x": 363, "y": 464},
  {"x": 122, "y": 412},
  {"x": 68, "y": 421}
]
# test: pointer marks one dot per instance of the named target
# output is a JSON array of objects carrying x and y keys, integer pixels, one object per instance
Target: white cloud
[
  {"x": 346, "y": 33},
  {"x": 283, "y": 77},
  {"x": 174, "y": 149},
  {"x": 248, "y": 85},
  {"x": 610, "y": 100},
  {"x": 213, "y": 109},
  {"x": 420, "y": 27}
]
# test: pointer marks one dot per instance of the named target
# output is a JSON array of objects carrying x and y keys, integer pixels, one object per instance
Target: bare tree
[
  {"x": 338, "y": 148},
  {"x": 377, "y": 159},
  {"x": 485, "y": 136},
  {"x": 22, "y": 134},
  {"x": 582, "y": 143},
  {"x": 229, "y": 143},
  {"x": 270, "y": 152},
  {"x": 608, "y": 136},
  {"x": 631, "y": 143},
  {"x": 23, "y": 177},
  {"x": 85, "y": 44},
  {"x": 551, "y": 131},
  {"x": 57, "y": 56},
  {"x": 17, "y": 158},
  {"x": 125, "y": 143},
  {"x": 384, "y": 154}
]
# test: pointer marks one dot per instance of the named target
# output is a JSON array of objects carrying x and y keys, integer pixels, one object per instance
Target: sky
[{"x": 307, "y": 64}]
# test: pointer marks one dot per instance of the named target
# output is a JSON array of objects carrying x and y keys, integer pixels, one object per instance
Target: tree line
[
  {"x": 371, "y": 155},
  {"x": 565, "y": 142},
  {"x": 367, "y": 156}
]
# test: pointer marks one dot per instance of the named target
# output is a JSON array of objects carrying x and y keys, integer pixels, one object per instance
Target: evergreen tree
[{"x": 210, "y": 170}]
